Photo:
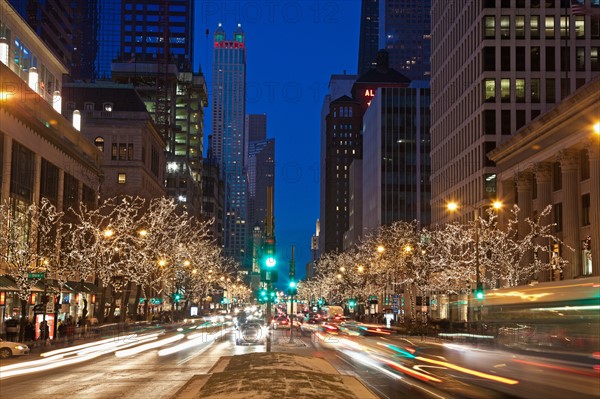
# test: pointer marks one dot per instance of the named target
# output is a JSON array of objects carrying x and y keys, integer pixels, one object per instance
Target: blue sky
[{"x": 292, "y": 49}]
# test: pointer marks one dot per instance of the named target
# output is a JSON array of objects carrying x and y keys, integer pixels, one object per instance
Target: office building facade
[{"x": 498, "y": 65}]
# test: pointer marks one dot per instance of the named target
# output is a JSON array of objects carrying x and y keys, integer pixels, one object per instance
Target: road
[{"x": 390, "y": 366}]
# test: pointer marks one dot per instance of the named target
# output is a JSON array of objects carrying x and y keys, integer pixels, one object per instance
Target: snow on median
[{"x": 273, "y": 375}]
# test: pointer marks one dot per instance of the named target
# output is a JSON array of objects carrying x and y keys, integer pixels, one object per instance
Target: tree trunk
[
  {"x": 22, "y": 323},
  {"x": 138, "y": 295},
  {"x": 101, "y": 307},
  {"x": 113, "y": 305},
  {"x": 125, "y": 301}
]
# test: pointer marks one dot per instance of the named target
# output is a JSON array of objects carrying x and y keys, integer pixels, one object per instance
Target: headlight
[{"x": 20, "y": 347}]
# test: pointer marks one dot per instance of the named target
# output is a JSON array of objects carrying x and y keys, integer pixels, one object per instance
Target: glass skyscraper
[{"x": 228, "y": 135}]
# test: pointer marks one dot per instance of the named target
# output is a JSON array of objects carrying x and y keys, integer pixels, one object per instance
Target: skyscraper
[
  {"x": 368, "y": 43},
  {"x": 486, "y": 86},
  {"x": 403, "y": 28},
  {"x": 227, "y": 139}
]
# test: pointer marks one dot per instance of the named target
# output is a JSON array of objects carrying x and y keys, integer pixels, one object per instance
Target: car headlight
[{"x": 20, "y": 347}]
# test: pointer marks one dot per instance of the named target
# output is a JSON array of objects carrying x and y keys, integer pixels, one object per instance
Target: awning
[{"x": 7, "y": 284}]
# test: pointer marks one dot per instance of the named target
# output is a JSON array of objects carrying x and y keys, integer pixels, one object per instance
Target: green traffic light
[
  {"x": 292, "y": 284},
  {"x": 479, "y": 292},
  {"x": 270, "y": 261}
]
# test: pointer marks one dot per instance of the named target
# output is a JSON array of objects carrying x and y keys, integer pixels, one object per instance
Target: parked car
[{"x": 9, "y": 348}]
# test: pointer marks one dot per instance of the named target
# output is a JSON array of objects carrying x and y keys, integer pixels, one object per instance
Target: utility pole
[
  {"x": 292, "y": 292},
  {"x": 268, "y": 273}
]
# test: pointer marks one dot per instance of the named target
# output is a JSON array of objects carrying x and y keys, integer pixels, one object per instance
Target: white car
[{"x": 8, "y": 349}]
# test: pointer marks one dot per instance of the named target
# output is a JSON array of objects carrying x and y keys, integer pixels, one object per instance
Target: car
[
  {"x": 281, "y": 322},
  {"x": 251, "y": 333},
  {"x": 310, "y": 325},
  {"x": 8, "y": 349}
]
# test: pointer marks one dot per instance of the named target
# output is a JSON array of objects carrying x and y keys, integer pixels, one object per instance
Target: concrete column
[
  {"x": 524, "y": 200},
  {"x": 6, "y": 168},
  {"x": 37, "y": 177},
  {"x": 61, "y": 190},
  {"x": 569, "y": 162},
  {"x": 543, "y": 178},
  {"x": 594, "y": 156},
  {"x": 525, "y": 203},
  {"x": 507, "y": 195}
]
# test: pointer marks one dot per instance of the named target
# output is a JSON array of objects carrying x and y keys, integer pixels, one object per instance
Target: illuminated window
[
  {"x": 490, "y": 90},
  {"x": 534, "y": 26},
  {"x": 505, "y": 27},
  {"x": 490, "y": 27},
  {"x": 550, "y": 27},
  {"x": 122, "y": 178},
  {"x": 520, "y": 27},
  {"x": 520, "y": 90},
  {"x": 99, "y": 143},
  {"x": 505, "y": 90}
]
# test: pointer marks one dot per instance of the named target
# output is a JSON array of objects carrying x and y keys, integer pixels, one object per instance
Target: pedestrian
[
  {"x": 70, "y": 330},
  {"x": 62, "y": 331},
  {"x": 29, "y": 331}
]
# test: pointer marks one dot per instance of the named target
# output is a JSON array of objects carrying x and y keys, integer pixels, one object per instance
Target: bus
[{"x": 561, "y": 316}]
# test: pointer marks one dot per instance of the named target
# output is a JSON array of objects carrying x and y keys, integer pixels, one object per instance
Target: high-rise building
[
  {"x": 407, "y": 36},
  {"x": 228, "y": 135},
  {"x": 256, "y": 127},
  {"x": 155, "y": 56},
  {"x": 395, "y": 167},
  {"x": 339, "y": 86},
  {"x": 403, "y": 29},
  {"x": 497, "y": 65},
  {"x": 52, "y": 20},
  {"x": 343, "y": 145},
  {"x": 368, "y": 42}
]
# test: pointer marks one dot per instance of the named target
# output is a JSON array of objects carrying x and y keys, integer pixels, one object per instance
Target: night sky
[{"x": 292, "y": 49}]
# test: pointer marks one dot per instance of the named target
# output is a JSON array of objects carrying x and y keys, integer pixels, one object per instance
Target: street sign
[
  {"x": 32, "y": 276},
  {"x": 50, "y": 307}
]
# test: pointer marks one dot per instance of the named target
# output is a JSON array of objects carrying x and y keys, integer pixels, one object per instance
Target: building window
[
  {"x": 580, "y": 59},
  {"x": 490, "y": 90},
  {"x": 108, "y": 107},
  {"x": 505, "y": 90},
  {"x": 520, "y": 90},
  {"x": 99, "y": 142},
  {"x": 114, "y": 152},
  {"x": 585, "y": 209},
  {"x": 550, "y": 59},
  {"x": 88, "y": 106},
  {"x": 549, "y": 27},
  {"x": 535, "y": 58},
  {"x": 520, "y": 27},
  {"x": 586, "y": 252},
  {"x": 579, "y": 27},
  {"x": 565, "y": 88},
  {"x": 489, "y": 59},
  {"x": 520, "y": 120},
  {"x": 505, "y": 27},
  {"x": 564, "y": 27},
  {"x": 556, "y": 176},
  {"x": 490, "y": 27},
  {"x": 122, "y": 178},
  {"x": 557, "y": 212},
  {"x": 535, "y": 90},
  {"x": 565, "y": 58},
  {"x": 489, "y": 121},
  {"x": 534, "y": 26},
  {"x": 505, "y": 59},
  {"x": 550, "y": 91},
  {"x": 506, "y": 129},
  {"x": 130, "y": 152},
  {"x": 520, "y": 58},
  {"x": 594, "y": 59},
  {"x": 122, "y": 151}
]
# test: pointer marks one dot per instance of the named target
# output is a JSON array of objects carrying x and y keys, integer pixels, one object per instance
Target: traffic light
[
  {"x": 293, "y": 288},
  {"x": 352, "y": 303},
  {"x": 177, "y": 297},
  {"x": 262, "y": 295},
  {"x": 479, "y": 291},
  {"x": 321, "y": 301}
]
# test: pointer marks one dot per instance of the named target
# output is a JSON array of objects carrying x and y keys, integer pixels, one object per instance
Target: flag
[{"x": 578, "y": 8}]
